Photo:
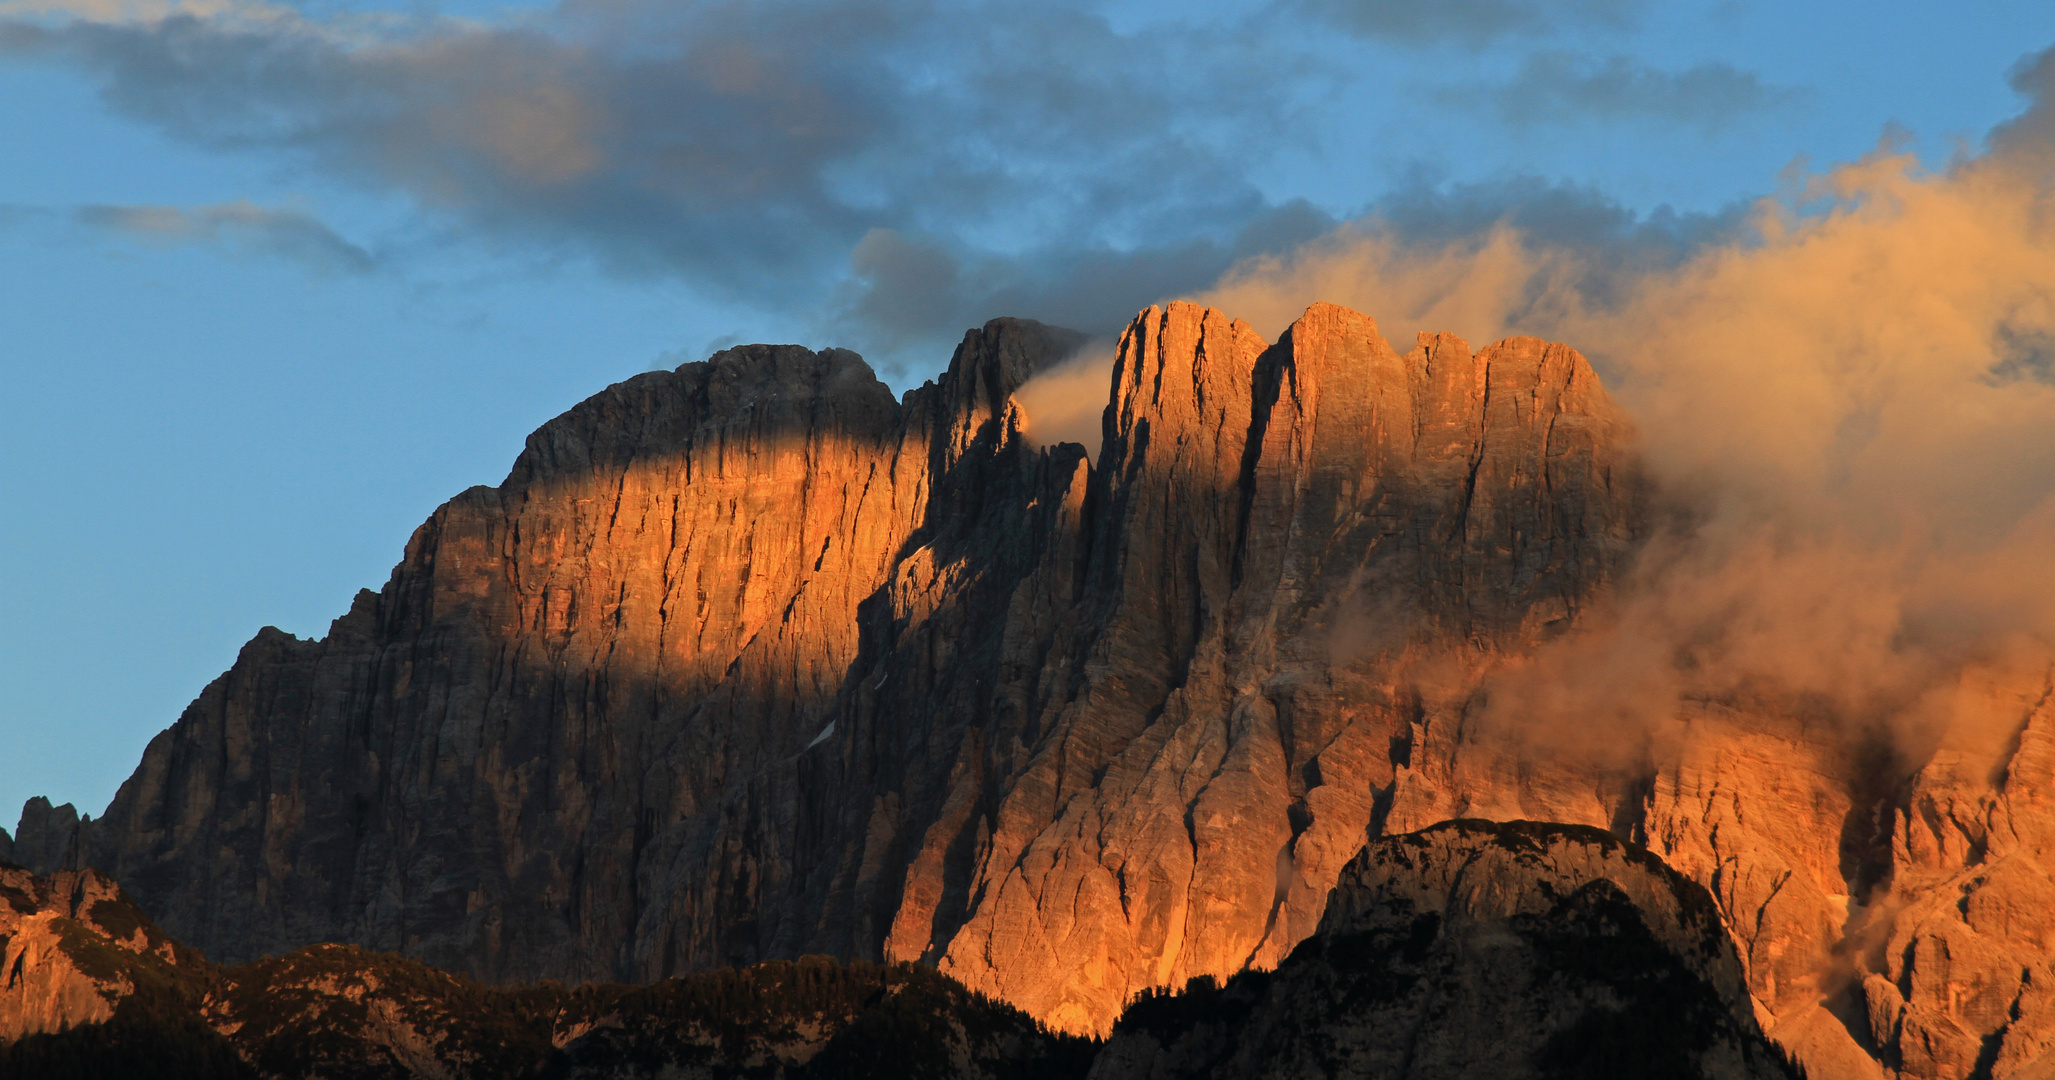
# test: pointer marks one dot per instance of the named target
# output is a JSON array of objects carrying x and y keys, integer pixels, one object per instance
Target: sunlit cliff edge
[{"x": 749, "y": 660}]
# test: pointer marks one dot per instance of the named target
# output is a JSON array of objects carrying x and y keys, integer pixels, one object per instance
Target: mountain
[
  {"x": 1521, "y": 950},
  {"x": 1475, "y": 949},
  {"x": 749, "y": 661}
]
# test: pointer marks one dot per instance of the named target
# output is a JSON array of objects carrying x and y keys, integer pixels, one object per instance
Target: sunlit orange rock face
[
  {"x": 750, "y": 660},
  {"x": 566, "y": 738},
  {"x": 1187, "y": 781},
  {"x": 71, "y": 947}
]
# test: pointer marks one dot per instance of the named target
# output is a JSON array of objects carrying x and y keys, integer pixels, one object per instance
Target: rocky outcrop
[
  {"x": 1958, "y": 954},
  {"x": 1197, "y": 721},
  {"x": 563, "y": 740},
  {"x": 1476, "y": 949},
  {"x": 72, "y": 947},
  {"x": 47, "y": 837}
]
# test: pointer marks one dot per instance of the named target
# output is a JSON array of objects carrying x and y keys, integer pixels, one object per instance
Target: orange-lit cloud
[
  {"x": 1067, "y": 402},
  {"x": 242, "y": 227},
  {"x": 1854, "y": 409}
]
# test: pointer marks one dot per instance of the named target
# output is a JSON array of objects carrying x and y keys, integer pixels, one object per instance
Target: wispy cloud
[
  {"x": 1471, "y": 23},
  {"x": 240, "y": 227},
  {"x": 1557, "y": 86},
  {"x": 14, "y": 214},
  {"x": 890, "y": 170},
  {"x": 903, "y": 286}
]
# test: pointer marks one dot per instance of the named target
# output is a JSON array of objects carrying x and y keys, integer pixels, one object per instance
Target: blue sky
[{"x": 275, "y": 280}]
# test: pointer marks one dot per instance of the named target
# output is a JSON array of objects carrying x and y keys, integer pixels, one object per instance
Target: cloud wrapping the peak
[{"x": 1847, "y": 404}]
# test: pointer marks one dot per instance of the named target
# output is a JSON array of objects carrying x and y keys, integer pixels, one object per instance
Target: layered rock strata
[{"x": 1475, "y": 949}]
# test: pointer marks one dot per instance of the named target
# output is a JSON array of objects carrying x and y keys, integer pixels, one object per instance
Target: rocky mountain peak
[{"x": 750, "y": 396}]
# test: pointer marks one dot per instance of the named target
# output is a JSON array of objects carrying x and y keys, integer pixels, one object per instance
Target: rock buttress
[{"x": 1476, "y": 949}]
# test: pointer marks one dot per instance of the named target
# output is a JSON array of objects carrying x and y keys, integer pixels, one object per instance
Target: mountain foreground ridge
[
  {"x": 749, "y": 660},
  {"x": 1582, "y": 955}
]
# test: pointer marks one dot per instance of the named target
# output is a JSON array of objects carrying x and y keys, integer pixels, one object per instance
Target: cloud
[
  {"x": 15, "y": 214},
  {"x": 1067, "y": 403},
  {"x": 1481, "y": 256},
  {"x": 1558, "y": 86},
  {"x": 888, "y": 172},
  {"x": 2029, "y": 139},
  {"x": 995, "y": 152},
  {"x": 1471, "y": 23},
  {"x": 904, "y": 288},
  {"x": 240, "y": 227},
  {"x": 111, "y": 11},
  {"x": 1846, "y": 398}
]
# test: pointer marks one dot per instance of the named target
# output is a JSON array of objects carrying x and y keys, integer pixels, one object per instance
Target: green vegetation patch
[{"x": 120, "y": 919}]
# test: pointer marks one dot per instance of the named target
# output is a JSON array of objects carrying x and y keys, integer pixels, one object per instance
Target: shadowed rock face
[
  {"x": 93, "y": 989},
  {"x": 50, "y": 836},
  {"x": 749, "y": 660},
  {"x": 1473, "y": 949}
]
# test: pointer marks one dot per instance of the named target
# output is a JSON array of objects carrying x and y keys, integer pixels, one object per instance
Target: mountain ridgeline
[{"x": 749, "y": 661}]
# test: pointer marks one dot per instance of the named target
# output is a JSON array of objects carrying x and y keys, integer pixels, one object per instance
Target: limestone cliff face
[
  {"x": 72, "y": 947},
  {"x": 1200, "y": 705},
  {"x": 50, "y": 836},
  {"x": 562, "y": 740},
  {"x": 1473, "y": 949},
  {"x": 1958, "y": 952},
  {"x": 749, "y": 660}
]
